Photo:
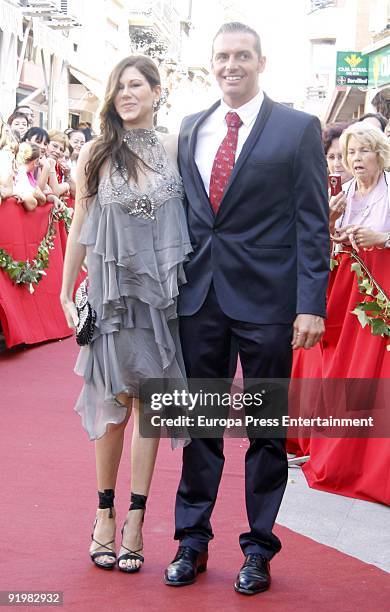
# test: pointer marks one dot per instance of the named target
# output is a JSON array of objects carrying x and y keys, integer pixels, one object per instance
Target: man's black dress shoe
[
  {"x": 254, "y": 576},
  {"x": 185, "y": 566}
]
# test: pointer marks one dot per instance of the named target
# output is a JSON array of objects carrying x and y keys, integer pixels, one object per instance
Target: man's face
[{"x": 236, "y": 66}]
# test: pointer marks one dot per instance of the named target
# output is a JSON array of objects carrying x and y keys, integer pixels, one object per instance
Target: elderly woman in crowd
[
  {"x": 365, "y": 221},
  {"x": 354, "y": 466}
]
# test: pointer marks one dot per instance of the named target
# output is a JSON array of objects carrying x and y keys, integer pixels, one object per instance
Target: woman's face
[
  {"x": 42, "y": 145},
  {"x": 362, "y": 160},
  {"x": 134, "y": 99},
  {"x": 55, "y": 150},
  {"x": 32, "y": 165},
  {"x": 77, "y": 141},
  {"x": 20, "y": 125},
  {"x": 335, "y": 165},
  {"x": 65, "y": 157}
]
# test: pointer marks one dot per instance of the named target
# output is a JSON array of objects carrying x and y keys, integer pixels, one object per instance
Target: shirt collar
[{"x": 247, "y": 112}]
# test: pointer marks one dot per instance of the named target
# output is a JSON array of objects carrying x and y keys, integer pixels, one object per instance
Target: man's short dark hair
[
  {"x": 378, "y": 116},
  {"x": 235, "y": 26},
  {"x": 17, "y": 108}
]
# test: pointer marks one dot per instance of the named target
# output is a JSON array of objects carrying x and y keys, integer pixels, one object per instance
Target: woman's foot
[
  {"x": 103, "y": 539},
  {"x": 132, "y": 545}
]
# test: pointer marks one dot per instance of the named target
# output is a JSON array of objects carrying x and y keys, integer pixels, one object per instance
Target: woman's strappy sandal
[
  {"x": 106, "y": 500},
  {"x": 138, "y": 502}
]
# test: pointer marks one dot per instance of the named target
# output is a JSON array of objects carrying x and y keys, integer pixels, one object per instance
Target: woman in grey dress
[{"x": 129, "y": 222}]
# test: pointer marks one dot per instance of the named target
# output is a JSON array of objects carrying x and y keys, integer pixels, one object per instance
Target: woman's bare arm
[{"x": 75, "y": 252}]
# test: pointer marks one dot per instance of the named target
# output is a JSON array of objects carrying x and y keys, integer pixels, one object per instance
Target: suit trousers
[{"x": 265, "y": 352}]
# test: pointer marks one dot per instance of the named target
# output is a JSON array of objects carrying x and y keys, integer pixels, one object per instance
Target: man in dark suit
[{"x": 255, "y": 178}]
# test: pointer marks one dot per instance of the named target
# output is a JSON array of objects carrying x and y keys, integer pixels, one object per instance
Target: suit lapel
[
  {"x": 198, "y": 182},
  {"x": 250, "y": 142}
]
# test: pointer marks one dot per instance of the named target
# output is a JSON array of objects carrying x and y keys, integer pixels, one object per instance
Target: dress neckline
[
  {"x": 145, "y": 144},
  {"x": 140, "y": 137}
]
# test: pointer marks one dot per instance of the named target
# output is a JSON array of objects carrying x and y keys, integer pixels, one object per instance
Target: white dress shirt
[{"x": 214, "y": 129}]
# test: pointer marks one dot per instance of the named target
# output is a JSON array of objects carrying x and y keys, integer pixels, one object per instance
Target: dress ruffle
[{"x": 135, "y": 268}]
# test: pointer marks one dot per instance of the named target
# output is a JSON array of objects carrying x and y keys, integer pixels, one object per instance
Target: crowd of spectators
[{"x": 37, "y": 168}]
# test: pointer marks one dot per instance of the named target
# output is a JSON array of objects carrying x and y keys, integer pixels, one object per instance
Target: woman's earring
[{"x": 157, "y": 104}]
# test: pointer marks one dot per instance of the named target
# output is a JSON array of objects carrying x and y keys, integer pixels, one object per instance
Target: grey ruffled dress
[{"x": 136, "y": 242}]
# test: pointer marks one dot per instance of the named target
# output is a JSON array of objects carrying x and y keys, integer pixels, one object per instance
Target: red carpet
[{"x": 48, "y": 501}]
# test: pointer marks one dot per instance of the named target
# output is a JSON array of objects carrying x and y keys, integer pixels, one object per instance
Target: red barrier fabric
[
  {"x": 352, "y": 467},
  {"x": 31, "y": 318},
  {"x": 306, "y": 364},
  {"x": 49, "y": 500}
]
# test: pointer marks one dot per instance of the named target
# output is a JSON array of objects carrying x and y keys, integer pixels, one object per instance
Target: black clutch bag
[{"x": 86, "y": 314}]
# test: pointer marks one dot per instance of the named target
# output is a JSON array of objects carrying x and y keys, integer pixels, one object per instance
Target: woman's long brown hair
[{"x": 110, "y": 145}]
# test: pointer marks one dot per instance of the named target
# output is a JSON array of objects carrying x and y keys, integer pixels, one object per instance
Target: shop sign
[{"x": 351, "y": 69}]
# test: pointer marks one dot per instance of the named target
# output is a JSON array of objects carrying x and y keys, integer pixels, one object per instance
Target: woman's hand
[
  {"x": 337, "y": 206},
  {"x": 58, "y": 204},
  {"x": 52, "y": 164},
  {"x": 40, "y": 196},
  {"x": 70, "y": 312},
  {"x": 3, "y": 193},
  {"x": 65, "y": 167},
  {"x": 43, "y": 163},
  {"x": 361, "y": 237}
]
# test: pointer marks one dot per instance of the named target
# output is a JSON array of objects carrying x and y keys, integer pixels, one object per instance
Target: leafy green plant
[
  {"x": 30, "y": 272},
  {"x": 374, "y": 309}
]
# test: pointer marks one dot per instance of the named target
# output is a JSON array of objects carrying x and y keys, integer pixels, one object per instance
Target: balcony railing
[
  {"x": 161, "y": 18},
  {"x": 54, "y": 13}
]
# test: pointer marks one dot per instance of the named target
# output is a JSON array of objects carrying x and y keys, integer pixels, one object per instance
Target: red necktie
[{"x": 224, "y": 161}]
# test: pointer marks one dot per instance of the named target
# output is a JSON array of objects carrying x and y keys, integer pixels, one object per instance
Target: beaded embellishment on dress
[{"x": 161, "y": 181}]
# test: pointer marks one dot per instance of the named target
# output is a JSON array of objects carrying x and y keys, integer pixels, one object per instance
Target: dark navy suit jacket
[{"x": 267, "y": 248}]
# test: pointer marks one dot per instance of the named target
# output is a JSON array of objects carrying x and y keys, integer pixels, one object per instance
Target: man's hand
[{"x": 307, "y": 331}]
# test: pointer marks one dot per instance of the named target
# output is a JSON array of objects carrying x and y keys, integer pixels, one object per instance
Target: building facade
[
  {"x": 364, "y": 28},
  {"x": 56, "y": 54},
  {"x": 378, "y": 53},
  {"x": 331, "y": 26}
]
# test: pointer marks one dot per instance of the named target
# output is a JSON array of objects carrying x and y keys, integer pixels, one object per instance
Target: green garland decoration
[
  {"x": 30, "y": 272},
  {"x": 374, "y": 310}
]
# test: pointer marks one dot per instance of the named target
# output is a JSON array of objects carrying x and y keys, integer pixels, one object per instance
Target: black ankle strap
[
  {"x": 138, "y": 502},
  {"x": 106, "y": 500}
]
